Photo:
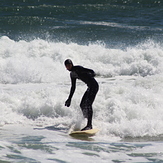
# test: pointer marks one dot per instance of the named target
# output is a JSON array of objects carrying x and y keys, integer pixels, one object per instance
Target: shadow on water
[
  {"x": 65, "y": 130},
  {"x": 84, "y": 138},
  {"x": 53, "y": 128}
]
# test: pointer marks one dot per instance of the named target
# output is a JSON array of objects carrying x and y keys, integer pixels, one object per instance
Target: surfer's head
[{"x": 68, "y": 64}]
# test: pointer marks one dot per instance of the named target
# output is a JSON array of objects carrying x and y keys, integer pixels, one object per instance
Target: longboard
[{"x": 85, "y": 133}]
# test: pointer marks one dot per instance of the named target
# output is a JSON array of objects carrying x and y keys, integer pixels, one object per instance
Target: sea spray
[
  {"x": 40, "y": 61},
  {"x": 35, "y": 85}
]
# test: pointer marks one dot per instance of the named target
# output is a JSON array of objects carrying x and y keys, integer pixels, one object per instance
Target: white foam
[
  {"x": 40, "y": 61},
  {"x": 35, "y": 85}
]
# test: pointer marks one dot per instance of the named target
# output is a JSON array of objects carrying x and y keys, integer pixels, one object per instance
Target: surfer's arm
[
  {"x": 72, "y": 90},
  {"x": 73, "y": 87}
]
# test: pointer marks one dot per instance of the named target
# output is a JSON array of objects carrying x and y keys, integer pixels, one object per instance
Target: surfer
[{"x": 87, "y": 76}]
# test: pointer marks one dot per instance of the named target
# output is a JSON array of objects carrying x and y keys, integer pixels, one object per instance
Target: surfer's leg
[
  {"x": 90, "y": 99},
  {"x": 89, "y": 117},
  {"x": 87, "y": 109},
  {"x": 86, "y": 105}
]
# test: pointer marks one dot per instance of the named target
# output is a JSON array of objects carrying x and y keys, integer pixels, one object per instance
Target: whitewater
[{"x": 34, "y": 85}]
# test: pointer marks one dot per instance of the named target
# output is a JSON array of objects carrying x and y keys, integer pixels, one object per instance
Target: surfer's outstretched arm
[{"x": 72, "y": 90}]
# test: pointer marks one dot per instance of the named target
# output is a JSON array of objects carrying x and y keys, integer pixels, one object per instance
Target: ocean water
[{"x": 121, "y": 40}]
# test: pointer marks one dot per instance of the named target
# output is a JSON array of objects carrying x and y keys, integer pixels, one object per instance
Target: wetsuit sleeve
[
  {"x": 72, "y": 90},
  {"x": 73, "y": 87}
]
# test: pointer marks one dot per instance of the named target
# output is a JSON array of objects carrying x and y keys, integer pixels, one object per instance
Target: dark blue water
[{"x": 114, "y": 22}]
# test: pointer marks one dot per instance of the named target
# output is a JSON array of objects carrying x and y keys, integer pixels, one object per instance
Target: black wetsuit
[{"x": 87, "y": 76}]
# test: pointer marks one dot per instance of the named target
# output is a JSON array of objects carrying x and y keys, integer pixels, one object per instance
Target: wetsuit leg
[{"x": 86, "y": 104}]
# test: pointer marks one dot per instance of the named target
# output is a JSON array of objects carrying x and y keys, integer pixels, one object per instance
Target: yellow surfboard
[{"x": 85, "y": 133}]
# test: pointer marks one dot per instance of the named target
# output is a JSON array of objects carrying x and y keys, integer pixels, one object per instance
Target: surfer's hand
[{"x": 68, "y": 102}]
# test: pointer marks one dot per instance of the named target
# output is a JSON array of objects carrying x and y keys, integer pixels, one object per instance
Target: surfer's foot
[{"x": 87, "y": 128}]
